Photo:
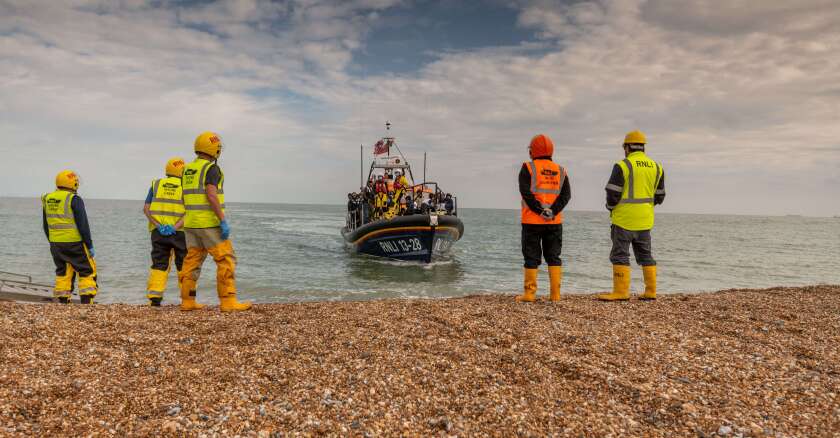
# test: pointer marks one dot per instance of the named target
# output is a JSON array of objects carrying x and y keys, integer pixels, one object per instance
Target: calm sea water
[{"x": 295, "y": 252}]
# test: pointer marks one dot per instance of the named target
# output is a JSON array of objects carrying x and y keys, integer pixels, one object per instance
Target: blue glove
[
  {"x": 170, "y": 230},
  {"x": 225, "y": 229},
  {"x": 91, "y": 252},
  {"x": 162, "y": 230}
]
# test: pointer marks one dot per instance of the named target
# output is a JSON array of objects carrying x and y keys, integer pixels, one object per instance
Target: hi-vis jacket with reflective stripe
[
  {"x": 199, "y": 214},
  {"x": 546, "y": 183},
  {"x": 60, "y": 221},
  {"x": 634, "y": 211},
  {"x": 167, "y": 206}
]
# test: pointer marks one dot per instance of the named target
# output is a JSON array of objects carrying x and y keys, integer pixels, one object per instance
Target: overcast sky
[{"x": 740, "y": 99}]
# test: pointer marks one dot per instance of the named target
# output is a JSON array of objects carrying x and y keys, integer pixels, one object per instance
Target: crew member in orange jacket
[{"x": 545, "y": 190}]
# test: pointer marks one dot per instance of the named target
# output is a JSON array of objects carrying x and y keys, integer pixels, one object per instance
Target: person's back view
[
  {"x": 206, "y": 227},
  {"x": 636, "y": 184},
  {"x": 545, "y": 191}
]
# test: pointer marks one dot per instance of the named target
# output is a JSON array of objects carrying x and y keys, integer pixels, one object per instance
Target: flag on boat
[{"x": 381, "y": 147}]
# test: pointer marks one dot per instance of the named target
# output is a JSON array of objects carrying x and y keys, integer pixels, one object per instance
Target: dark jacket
[{"x": 617, "y": 179}]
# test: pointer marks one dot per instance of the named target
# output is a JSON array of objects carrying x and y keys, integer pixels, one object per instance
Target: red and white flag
[{"x": 381, "y": 147}]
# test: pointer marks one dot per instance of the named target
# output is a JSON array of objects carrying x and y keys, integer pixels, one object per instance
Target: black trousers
[
  {"x": 623, "y": 239},
  {"x": 72, "y": 253},
  {"x": 540, "y": 241},
  {"x": 162, "y": 247}
]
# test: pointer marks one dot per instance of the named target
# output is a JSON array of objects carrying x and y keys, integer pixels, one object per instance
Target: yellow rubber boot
[
  {"x": 650, "y": 283},
  {"x": 231, "y": 304},
  {"x": 555, "y": 277},
  {"x": 156, "y": 284},
  {"x": 188, "y": 278},
  {"x": 621, "y": 285},
  {"x": 529, "y": 293},
  {"x": 64, "y": 284},
  {"x": 225, "y": 259}
]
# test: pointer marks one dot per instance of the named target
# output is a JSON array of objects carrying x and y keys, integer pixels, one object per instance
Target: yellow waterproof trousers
[
  {"x": 223, "y": 255},
  {"x": 71, "y": 259}
]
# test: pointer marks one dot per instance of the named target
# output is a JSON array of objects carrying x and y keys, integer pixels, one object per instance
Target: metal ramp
[{"x": 20, "y": 288}]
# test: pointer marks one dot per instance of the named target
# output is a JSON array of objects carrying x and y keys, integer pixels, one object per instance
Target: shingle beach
[{"x": 735, "y": 362}]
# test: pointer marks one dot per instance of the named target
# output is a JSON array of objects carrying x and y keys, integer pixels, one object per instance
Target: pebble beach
[{"x": 729, "y": 363}]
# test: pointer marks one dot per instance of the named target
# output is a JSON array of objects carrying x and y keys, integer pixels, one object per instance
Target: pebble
[{"x": 473, "y": 366}]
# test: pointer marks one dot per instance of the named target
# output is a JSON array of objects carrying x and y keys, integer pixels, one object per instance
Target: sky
[{"x": 740, "y": 100}]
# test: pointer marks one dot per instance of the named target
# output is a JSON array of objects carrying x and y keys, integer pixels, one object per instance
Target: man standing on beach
[
  {"x": 545, "y": 191},
  {"x": 164, "y": 208},
  {"x": 66, "y": 226},
  {"x": 206, "y": 227},
  {"x": 637, "y": 184}
]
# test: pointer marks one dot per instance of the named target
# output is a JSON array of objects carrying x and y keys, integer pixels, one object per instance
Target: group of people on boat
[{"x": 389, "y": 195}]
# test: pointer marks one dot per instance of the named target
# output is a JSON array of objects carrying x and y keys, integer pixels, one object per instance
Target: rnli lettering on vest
[{"x": 645, "y": 164}]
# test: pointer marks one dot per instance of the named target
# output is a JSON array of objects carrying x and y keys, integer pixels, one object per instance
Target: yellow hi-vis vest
[
  {"x": 199, "y": 214},
  {"x": 641, "y": 177},
  {"x": 61, "y": 225},
  {"x": 167, "y": 205}
]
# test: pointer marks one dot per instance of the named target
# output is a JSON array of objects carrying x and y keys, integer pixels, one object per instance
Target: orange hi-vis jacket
[{"x": 546, "y": 182}]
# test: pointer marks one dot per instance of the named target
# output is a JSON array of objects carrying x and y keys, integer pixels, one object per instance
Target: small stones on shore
[
  {"x": 732, "y": 363},
  {"x": 443, "y": 423}
]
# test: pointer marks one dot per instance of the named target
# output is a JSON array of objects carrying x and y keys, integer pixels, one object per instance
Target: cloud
[{"x": 739, "y": 100}]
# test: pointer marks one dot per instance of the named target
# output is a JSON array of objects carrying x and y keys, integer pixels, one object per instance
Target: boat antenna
[
  {"x": 387, "y": 131},
  {"x": 361, "y": 166},
  {"x": 424, "y": 168}
]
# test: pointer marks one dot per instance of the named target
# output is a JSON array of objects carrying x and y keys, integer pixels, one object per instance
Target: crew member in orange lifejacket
[
  {"x": 545, "y": 190},
  {"x": 380, "y": 186}
]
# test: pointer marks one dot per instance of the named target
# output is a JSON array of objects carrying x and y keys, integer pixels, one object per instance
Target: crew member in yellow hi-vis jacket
[
  {"x": 66, "y": 226},
  {"x": 637, "y": 184},
  {"x": 164, "y": 208},
  {"x": 206, "y": 227}
]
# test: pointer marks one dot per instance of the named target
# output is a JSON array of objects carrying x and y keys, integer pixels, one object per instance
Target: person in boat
[
  {"x": 380, "y": 186},
  {"x": 206, "y": 227},
  {"x": 410, "y": 206},
  {"x": 449, "y": 203},
  {"x": 392, "y": 206},
  {"x": 66, "y": 227},
  {"x": 426, "y": 206},
  {"x": 400, "y": 186},
  {"x": 352, "y": 210},
  {"x": 164, "y": 209},
  {"x": 366, "y": 200},
  {"x": 380, "y": 202},
  {"x": 544, "y": 187},
  {"x": 401, "y": 182}
]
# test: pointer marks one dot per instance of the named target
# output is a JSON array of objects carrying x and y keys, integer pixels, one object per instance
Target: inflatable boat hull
[{"x": 411, "y": 238}]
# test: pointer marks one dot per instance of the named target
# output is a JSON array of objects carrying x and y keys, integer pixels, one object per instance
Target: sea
[{"x": 293, "y": 253}]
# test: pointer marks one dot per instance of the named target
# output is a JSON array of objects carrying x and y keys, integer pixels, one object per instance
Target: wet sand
[{"x": 749, "y": 362}]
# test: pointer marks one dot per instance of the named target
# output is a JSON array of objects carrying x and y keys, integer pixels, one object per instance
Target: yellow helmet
[
  {"x": 635, "y": 137},
  {"x": 67, "y": 179},
  {"x": 209, "y": 143},
  {"x": 175, "y": 167}
]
